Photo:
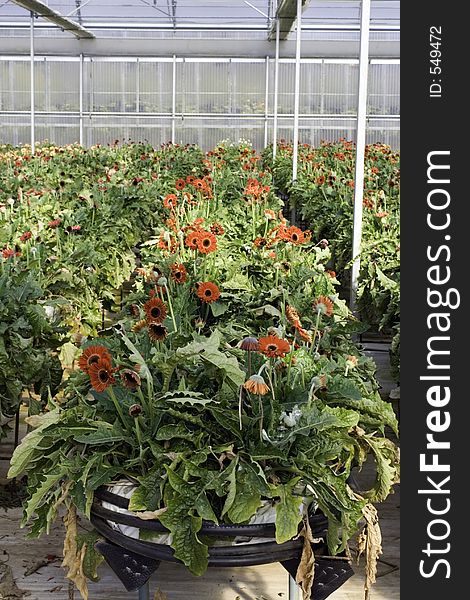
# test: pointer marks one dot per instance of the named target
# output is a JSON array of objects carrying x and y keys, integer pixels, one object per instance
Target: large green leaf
[{"x": 288, "y": 513}]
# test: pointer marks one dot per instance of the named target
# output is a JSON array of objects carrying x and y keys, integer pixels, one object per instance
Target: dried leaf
[
  {"x": 159, "y": 595},
  {"x": 305, "y": 571},
  {"x": 72, "y": 558},
  {"x": 147, "y": 515},
  {"x": 8, "y": 587},
  {"x": 370, "y": 542}
]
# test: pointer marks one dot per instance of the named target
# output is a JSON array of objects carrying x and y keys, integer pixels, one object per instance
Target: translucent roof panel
[{"x": 203, "y": 14}]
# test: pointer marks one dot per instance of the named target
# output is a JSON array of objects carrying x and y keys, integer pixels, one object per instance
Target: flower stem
[
  {"x": 117, "y": 406},
  {"x": 171, "y": 308},
  {"x": 316, "y": 330}
]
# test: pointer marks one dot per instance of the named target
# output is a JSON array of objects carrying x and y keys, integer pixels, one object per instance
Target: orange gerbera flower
[
  {"x": 304, "y": 334},
  {"x": 92, "y": 355},
  {"x": 190, "y": 179},
  {"x": 178, "y": 273},
  {"x": 180, "y": 184},
  {"x": 200, "y": 184},
  {"x": 292, "y": 316},
  {"x": 101, "y": 375},
  {"x": 155, "y": 310},
  {"x": 295, "y": 235},
  {"x": 206, "y": 242},
  {"x": 170, "y": 201},
  {"x": 323, "y": 305},
  {"x": 217, "y": 229},
  {"x": 192, "y": 239},
  {"x": 156, "y": 331},
  {"x": 208, "y": 292},
  {"x": 130, "y": 379},
  {"x": 272, "y": 346},
  {"x": 256, "y": 385}
]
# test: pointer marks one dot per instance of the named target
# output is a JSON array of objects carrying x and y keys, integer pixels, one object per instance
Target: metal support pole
[
  {"x": 360, "y": 147},
  {"x": 266, "y": 101},
  {"x": 293, "y": 589},
  {"x": 144, "y": 592},
  {"x": 80, "y": 100},
  {"x": 276, "y": 89},
  {"x": 173, "y": 102},
  {"x": 298, "y": 38},
  {"x": 32, "y": 115},
  {"x": 137, "y": 87}
]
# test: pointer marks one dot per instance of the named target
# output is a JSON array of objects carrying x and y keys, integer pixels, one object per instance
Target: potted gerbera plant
[{"x": 231, "y": 386}]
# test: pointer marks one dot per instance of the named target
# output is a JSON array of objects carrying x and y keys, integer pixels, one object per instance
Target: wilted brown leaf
[
  {"x": 370, "y": 542},
  {"x": 305, "y": 571},
  {"x": 72, "y": 558},
  {"x": 159, "y": 595}
]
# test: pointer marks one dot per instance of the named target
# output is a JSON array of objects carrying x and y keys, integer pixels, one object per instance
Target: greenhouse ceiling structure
[{"x": 194, "y": 71}]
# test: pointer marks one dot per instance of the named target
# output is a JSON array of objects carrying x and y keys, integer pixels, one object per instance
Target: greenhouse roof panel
[{"x": 204, "y": 14}]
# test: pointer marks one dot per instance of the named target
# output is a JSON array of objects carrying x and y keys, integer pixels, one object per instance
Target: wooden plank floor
[{"x": 253, "y": 583}]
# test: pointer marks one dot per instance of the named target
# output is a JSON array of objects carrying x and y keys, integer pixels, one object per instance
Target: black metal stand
[{"x": 134, "y": 561}]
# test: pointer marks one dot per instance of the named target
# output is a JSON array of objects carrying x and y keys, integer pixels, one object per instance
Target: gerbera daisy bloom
[
  {"x": 270, "y": 214},
  {"x": 180, "y": 184},
  {"x": 272, "y": 346},
  {"x": 295, "y": 235},
  {"x": 208, "y": 292},
  {"x": 190, "y": 179},
  {"x": 323, "y": 305},
  {"x": 156, "y": 331},
  {"x": 130, "y": 379},
  {"x": 217, "y": 229},
  {"x": 54, "y": 223},
  {"x": 8, "y": 253},
  {"x": 135, "y": 410},
  {"x": 256, "y": 385},
  {"x": 250, "y": 344},
  {"x": 320, "y": 180},
  {"x": 304, "y": 334},
  {"x": 191, "y": 239},
  {"x": 292, "y": 316},
  {"x": 155, "y": 310},
  {"x": 92, "y": 355},
  {"x": 178, "y": 273},
  {"x": 206, "y": 242},
  {"x": 27, "y": 235},
  {"x": 139, "y": 325},
  {"x": 260, "y": 242},
  {"x": 101, "y": 375},
  {"x": 170, "y": 201},
  {"x": 200, "y": 184}
]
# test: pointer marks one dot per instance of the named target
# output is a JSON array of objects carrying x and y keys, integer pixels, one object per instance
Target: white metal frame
[{"x": 360, "y": 147}]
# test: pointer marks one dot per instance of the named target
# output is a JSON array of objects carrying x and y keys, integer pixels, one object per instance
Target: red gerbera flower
[
  {"x": 206, "y": 242},
  {"x": 101, "y": 375},
  {"x": 27, "y": 235},
  {"x": 54, "y": 223},
  {"x": 170, "y": 201},
  {"x": 178, "y": 273},
  {"x": 272, "y": 346},
  {"x": 208, "y": 292},
  {"x": 92, "y": 355},
  {"x": 217, "y": 229},
  {"x": 323, "y": 305},
  {"x": 192, "y": 239},
  {"x": 180, "y": 184},
  {"x": 295, "y": 235},
  {"x": 155, "y": 309},
  {"x": 156, "y": 331}
]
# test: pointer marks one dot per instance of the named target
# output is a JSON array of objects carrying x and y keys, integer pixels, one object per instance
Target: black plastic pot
[{"x": 134, "y": 561}]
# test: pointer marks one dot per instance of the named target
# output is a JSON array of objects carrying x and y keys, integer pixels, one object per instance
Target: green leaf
[
  {"x": 40, "y": 492},
  {"x": 101, "y": 436},
  {"x": 218, "y": 308},
  {"x": 186, "y": 397},
  {"x": 247, "y": 500},
  {"x": 25, "y": 451},
  {"x": 232, "y": 488},
  {"x": 92, "y": 558},
  {"x": 288, "y": 513}
]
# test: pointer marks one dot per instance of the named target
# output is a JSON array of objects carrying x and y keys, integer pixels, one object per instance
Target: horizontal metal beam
[
  {"x": 203, "y": 47},
  {"x": 41, "y": 10},
  {"x": 287, "y": 15}
]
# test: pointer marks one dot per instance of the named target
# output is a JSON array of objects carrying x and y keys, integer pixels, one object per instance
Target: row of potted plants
[{"x": 229, "y": 380}]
